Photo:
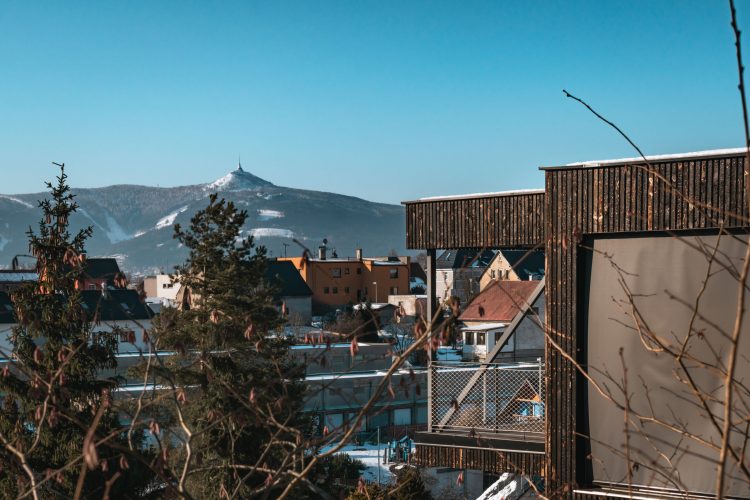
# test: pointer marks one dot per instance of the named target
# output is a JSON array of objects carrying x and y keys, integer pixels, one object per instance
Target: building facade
[{"x": 337, "y": 282}]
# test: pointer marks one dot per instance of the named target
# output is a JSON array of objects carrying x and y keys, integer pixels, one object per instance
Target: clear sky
[{"x": 384, "y": 100}]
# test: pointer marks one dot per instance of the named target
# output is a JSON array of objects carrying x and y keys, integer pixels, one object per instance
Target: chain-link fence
[{"x": 485, "y": 397}]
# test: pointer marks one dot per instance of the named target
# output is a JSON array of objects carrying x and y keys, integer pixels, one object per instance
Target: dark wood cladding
[
  {"x": 675, "y": 195},
  {"x": 490, "y": 461},
  {"x": 507, "y": 220}
]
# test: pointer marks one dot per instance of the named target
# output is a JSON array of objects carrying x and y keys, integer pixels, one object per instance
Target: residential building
[
  {"x": 336, "y": 282},
  {"x": 110, "y": 310},
  {"x": 459, "y": 271},
  {"x": 99, "y": 273},
  {"x": 291, "y": 292},
  {"x": 514, "y": 264},
  {"x": 161, "y": 287},
  {"x": 488, "y": 317}
]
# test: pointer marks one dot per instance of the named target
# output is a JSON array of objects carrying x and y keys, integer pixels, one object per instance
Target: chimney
[
  {"x": 358, "y": 254},
  {"x": 322, "y": 252}
]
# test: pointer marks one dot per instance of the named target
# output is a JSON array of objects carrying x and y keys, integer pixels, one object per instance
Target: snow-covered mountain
[{"x": 134, "y": 223}]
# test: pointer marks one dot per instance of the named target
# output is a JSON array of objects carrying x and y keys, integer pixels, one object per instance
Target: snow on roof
[
  {"x": 478, "y": 195},
  {"x": 694, "y": 154},
  {"x": 326, "y": 346},
  {"x": 367, "y": 374},
  {"x": 375, "y": 306},
  {"x": 484, "y": 327}
]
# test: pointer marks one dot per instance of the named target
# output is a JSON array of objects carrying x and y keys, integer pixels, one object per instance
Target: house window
[
  {"x": 335, "y": 289},
  {"x": 346, "y": 270},
  {"x": 492, "y": 274},
  {"x": 480, "y": 338},
  {"x": 498, "y": 336},
  {"x": 393, "y": 290},
  {"x": 359, "y": 270},
  {"x": 394, "y": 273},
  {"x": 325, "y": 289},
  {"x": 469, "y": 338},
  {"x": 336, "y": 272},
  {"x": 346, "y": 290},
  {"x": 92, "y": 286}
]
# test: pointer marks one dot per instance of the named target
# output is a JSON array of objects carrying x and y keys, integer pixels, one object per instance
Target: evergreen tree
[
  {"x": 237, "y": 385},
  {"x": 56, "y": 409}
]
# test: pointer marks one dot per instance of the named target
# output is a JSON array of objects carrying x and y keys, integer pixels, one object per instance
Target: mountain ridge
[{"x": 134, "y": 222}]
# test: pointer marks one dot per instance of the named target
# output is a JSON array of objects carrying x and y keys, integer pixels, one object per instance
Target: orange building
[{"x": 337, "y": 282}]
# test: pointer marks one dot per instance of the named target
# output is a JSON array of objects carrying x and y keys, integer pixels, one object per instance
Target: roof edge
[
  {"x": 694, "y": 155},
  {"x": 517, "y": 192}
]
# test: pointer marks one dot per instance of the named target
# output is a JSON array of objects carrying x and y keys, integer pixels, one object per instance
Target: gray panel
[{"x": 662, "y": 272}]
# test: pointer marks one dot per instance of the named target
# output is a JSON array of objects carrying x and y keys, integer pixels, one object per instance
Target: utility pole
[
  {"x": 285, "y": 246},
  {"x": 378, "y": 455}
]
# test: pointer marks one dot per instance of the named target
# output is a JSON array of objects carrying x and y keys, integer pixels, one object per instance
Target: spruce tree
[
  {"x": 59, "y": 431},
  {"x": 235, "y": 382}
]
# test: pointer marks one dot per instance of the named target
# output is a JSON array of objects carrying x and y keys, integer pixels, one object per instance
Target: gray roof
[
  {"x": 464, "y": 257},
  {"x": 525, "y": 263},
  {"x": 283, "y": 275}
]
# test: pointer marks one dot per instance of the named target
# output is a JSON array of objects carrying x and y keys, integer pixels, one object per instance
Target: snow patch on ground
[
  {"x": 368, "y": 455},
  {"x": 169, "y": 219},
  {"x": 264, "y": 214},
  {"x": 11, "y": 198},
  {"x": 271, "y": 232},
  {"x": 3, "y": 241},
  {"x": 138, "y": 234}
]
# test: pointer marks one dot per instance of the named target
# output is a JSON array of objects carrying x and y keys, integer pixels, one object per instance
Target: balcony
[
  {"x": 489, "y": 416},
  {"x": 487, "y": 398}
]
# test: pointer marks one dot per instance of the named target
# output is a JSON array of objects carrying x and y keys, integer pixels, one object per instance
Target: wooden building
[{"x": 653, "y": 214}]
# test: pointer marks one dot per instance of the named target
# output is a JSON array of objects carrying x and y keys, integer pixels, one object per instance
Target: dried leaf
[
  {"x": 354, "y": 347},
  {"x": 249, "y": 331}
]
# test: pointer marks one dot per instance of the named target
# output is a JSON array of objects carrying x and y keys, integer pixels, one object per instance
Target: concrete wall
[
  {"x": 413, "y": 305},
  {"x": 300, "y": 309}
]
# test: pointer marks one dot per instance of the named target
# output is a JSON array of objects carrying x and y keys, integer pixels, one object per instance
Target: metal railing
[{"x": 488, "y": 398}]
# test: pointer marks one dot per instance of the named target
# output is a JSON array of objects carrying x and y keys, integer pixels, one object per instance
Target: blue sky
[{"x": 388, "y": 101}]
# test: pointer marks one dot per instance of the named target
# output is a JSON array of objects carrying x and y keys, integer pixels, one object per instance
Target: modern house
[
  {"x": 642, "y": 259},
  {"x": 459, "y": 271},
  {"x": 490, "y": 315},
  {"x": 336, "y": 282},
  {"x": 516, "y": 265}
]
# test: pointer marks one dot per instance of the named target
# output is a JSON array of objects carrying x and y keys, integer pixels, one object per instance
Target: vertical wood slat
[{"x": 502, "y": 221}]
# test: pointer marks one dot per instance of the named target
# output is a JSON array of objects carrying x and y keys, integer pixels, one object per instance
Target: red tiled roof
[{"x": 500, "y": 301}]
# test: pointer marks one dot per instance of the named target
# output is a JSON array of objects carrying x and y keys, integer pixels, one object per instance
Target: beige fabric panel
[{"x": 662, "y": 272}]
